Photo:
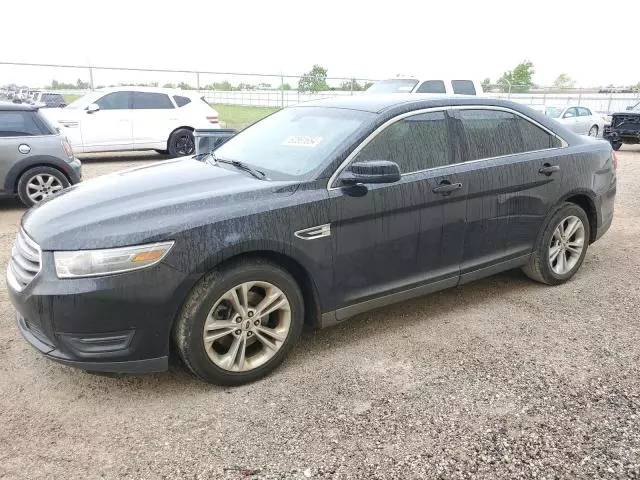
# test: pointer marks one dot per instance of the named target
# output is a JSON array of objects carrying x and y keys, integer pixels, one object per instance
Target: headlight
[{"x": 91, "y": 263}]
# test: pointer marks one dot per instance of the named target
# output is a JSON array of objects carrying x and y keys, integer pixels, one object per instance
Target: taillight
[
  {"x": 614, "y": 159},
  {"x": 212, "y": 119},
  {"x": 67, "y": 149}
]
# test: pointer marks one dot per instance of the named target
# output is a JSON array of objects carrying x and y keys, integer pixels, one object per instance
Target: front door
[
  {"x": 407, "y": 236},
  {"x": 109, "y": 128},
  {"x": 513, "y": 173}
]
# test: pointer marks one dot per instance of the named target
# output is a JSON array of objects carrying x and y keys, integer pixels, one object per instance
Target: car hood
[{"x": 146, "y": 204}]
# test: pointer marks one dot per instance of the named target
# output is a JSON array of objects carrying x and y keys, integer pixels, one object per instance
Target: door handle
[
  {"x": 445, "y": 187},
  {"x": 548, "y": 169}
]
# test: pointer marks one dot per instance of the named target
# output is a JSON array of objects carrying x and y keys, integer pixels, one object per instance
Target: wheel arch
[
  {"x": 585, "y": 200},
  {"x": 18, "y": 169}
]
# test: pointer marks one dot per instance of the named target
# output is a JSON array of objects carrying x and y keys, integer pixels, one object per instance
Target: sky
[{"x": 474, "y": 39}]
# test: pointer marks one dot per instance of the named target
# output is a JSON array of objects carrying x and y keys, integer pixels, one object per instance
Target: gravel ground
[{"x": 502, "y": 378}]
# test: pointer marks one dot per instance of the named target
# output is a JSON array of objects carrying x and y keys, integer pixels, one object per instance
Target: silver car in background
[{"x": 581, "y": 120}]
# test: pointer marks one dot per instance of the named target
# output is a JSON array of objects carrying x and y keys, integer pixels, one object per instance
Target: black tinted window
[
  {"x": 414, "y": 143},
  {"x": 115, "y": 101},
  {"x": 463, "y": 87},
  {"x": 20, "y": 124},
  {"x": 432, "y": 86},
  {"x": 535, "y": 138},
  {"x": 492, "y": 133},
  {"x": 151, "y": 101},
  {"x": 181, "y": 101}
]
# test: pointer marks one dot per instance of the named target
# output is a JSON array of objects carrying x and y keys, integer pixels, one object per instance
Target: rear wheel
[
  {"x": 562, "y": 246},
  {"x": 181, "y": 143},
  {"x": 593, "y": 131},
  {"x": 39, "y": 183},
  {"x": 239, "y": 322}
]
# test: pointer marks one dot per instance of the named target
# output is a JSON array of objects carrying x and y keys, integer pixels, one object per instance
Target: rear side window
[
  {"x": 415, "y": 143},
  {"x": 463, "y": 87},
  {"x": 432, "y": 86},
  {"x": 151, "y": 101},
  {"x": 493, "y": 133},
  {"x": 181, "y": 101},
  {"x": 115, "y": 101},
  {"x": 21, "y": 124}
]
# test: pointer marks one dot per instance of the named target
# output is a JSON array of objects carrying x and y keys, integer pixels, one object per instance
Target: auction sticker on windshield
[{"x": 302, "y": 141}]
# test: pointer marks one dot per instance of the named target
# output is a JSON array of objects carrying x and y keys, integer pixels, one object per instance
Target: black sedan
[{"x": 312, "y": 215}]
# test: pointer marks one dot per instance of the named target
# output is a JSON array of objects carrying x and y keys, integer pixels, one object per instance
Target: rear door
[
  {"x": 389, "y": 238},
  {"x": 110, "y": 128},
  {"x": 512, "y": 169},
  {"x": 154, "y": 116}
]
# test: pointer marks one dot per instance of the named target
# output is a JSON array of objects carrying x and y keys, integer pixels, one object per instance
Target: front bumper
[
  {"x": 75, "y": 171},
  {"x": 118, "y": 323},
  {"x": 621, "y": 135}
]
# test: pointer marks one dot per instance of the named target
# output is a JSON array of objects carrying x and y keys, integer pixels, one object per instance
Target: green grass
[
  {"x": 241, "y": 116},
  {"x": 70, "y": 97}
]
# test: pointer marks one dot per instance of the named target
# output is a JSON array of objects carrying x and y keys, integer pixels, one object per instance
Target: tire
[
  {"x": 593, "y": 131},
  {"x": 541, "y": 267},
  {"x": 616, "y": 145},
  {"x": 48, "y": 179},
  {"x": 209, "y": 304},
  {"x": 181, "y": 143}
]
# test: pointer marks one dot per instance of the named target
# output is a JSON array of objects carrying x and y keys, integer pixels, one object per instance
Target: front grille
[{"x": 25, "y": 261}]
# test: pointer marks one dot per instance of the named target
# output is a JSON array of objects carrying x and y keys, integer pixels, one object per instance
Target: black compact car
[
  {"x": 624, "y": 128},
  {"x": 312, "y": 215}
]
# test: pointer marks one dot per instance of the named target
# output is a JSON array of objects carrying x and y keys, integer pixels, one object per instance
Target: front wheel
[
  {"x": 239, "y": 322},
  {"x": 39, "y": 183},
  {"x": 562, "y": 246},
  {"x": 593, "y": 131},
  {"x": 181, "y": 143}
]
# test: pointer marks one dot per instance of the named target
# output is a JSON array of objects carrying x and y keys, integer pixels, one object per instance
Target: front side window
[
  {"x": 115, "y": 101},
  {"x": 463, "y": 87},
  {"x": 21, "y": 124},
  {"x": 494, "y": 133},
  {"x": 296, "y": 141},
  {"x": 432, "y": 86},
  {"x": 415, "y": 143},
  {"x": 584, "y": 112},
  {"x": 151, "y": 101},
  {"x": 571, "y": 112}
]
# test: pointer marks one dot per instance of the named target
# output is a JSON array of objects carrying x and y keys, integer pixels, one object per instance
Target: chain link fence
[{"x": 260, "y": 89}]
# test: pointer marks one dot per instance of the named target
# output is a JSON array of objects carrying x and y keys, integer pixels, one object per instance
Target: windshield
[
  {"x": 85, "y": 100},
  {"x": 553, "y": 112},
  {"x": 295, "y": 141},
  {"x": 393, "y": 86}
]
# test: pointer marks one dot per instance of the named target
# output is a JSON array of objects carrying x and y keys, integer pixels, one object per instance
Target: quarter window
[
  {"x": 432, "y": 86},
  {"x": 463, "y": 87},
  {"x": 181, "y": 101},
  {"x": 151, "y": 101},
  {"x": 414, "y": 143},
  {"x": 115, "y": 101},
  {"x": 494, "y": 133},
  {"x": 21, "y": 124}
]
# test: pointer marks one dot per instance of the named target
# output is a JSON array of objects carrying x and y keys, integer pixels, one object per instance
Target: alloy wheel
[
  {"x": 42, "y": 186},
  {"x": 567, "y": 244},
  {"x": 185, "y": 145},
  {"x": 247, "y": 326}
]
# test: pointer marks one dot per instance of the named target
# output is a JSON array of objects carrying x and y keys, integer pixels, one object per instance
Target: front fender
[{"x": 14, "y": 173}]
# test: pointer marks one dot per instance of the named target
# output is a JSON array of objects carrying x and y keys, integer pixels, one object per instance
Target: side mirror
[
  {"x": 92, "y": 108},
  {"x": 371, "y": 171},
  {"x": 569, "y": 115}
]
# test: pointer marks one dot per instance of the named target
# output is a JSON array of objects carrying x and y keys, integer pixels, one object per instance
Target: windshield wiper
[{"x": 260, "y": 175}]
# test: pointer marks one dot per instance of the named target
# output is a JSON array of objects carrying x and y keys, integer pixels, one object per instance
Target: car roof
[
  {"x": 168, "y": 91},
  {"x": 4, "y": 106},
  {"x": 378, "y": 103}
]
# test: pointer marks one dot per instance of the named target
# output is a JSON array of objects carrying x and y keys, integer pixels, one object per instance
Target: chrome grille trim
[{"x": 25, "y": 263}]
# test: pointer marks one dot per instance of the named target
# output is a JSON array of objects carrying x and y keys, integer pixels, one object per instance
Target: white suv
[{"x": 135, "y": 118}]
